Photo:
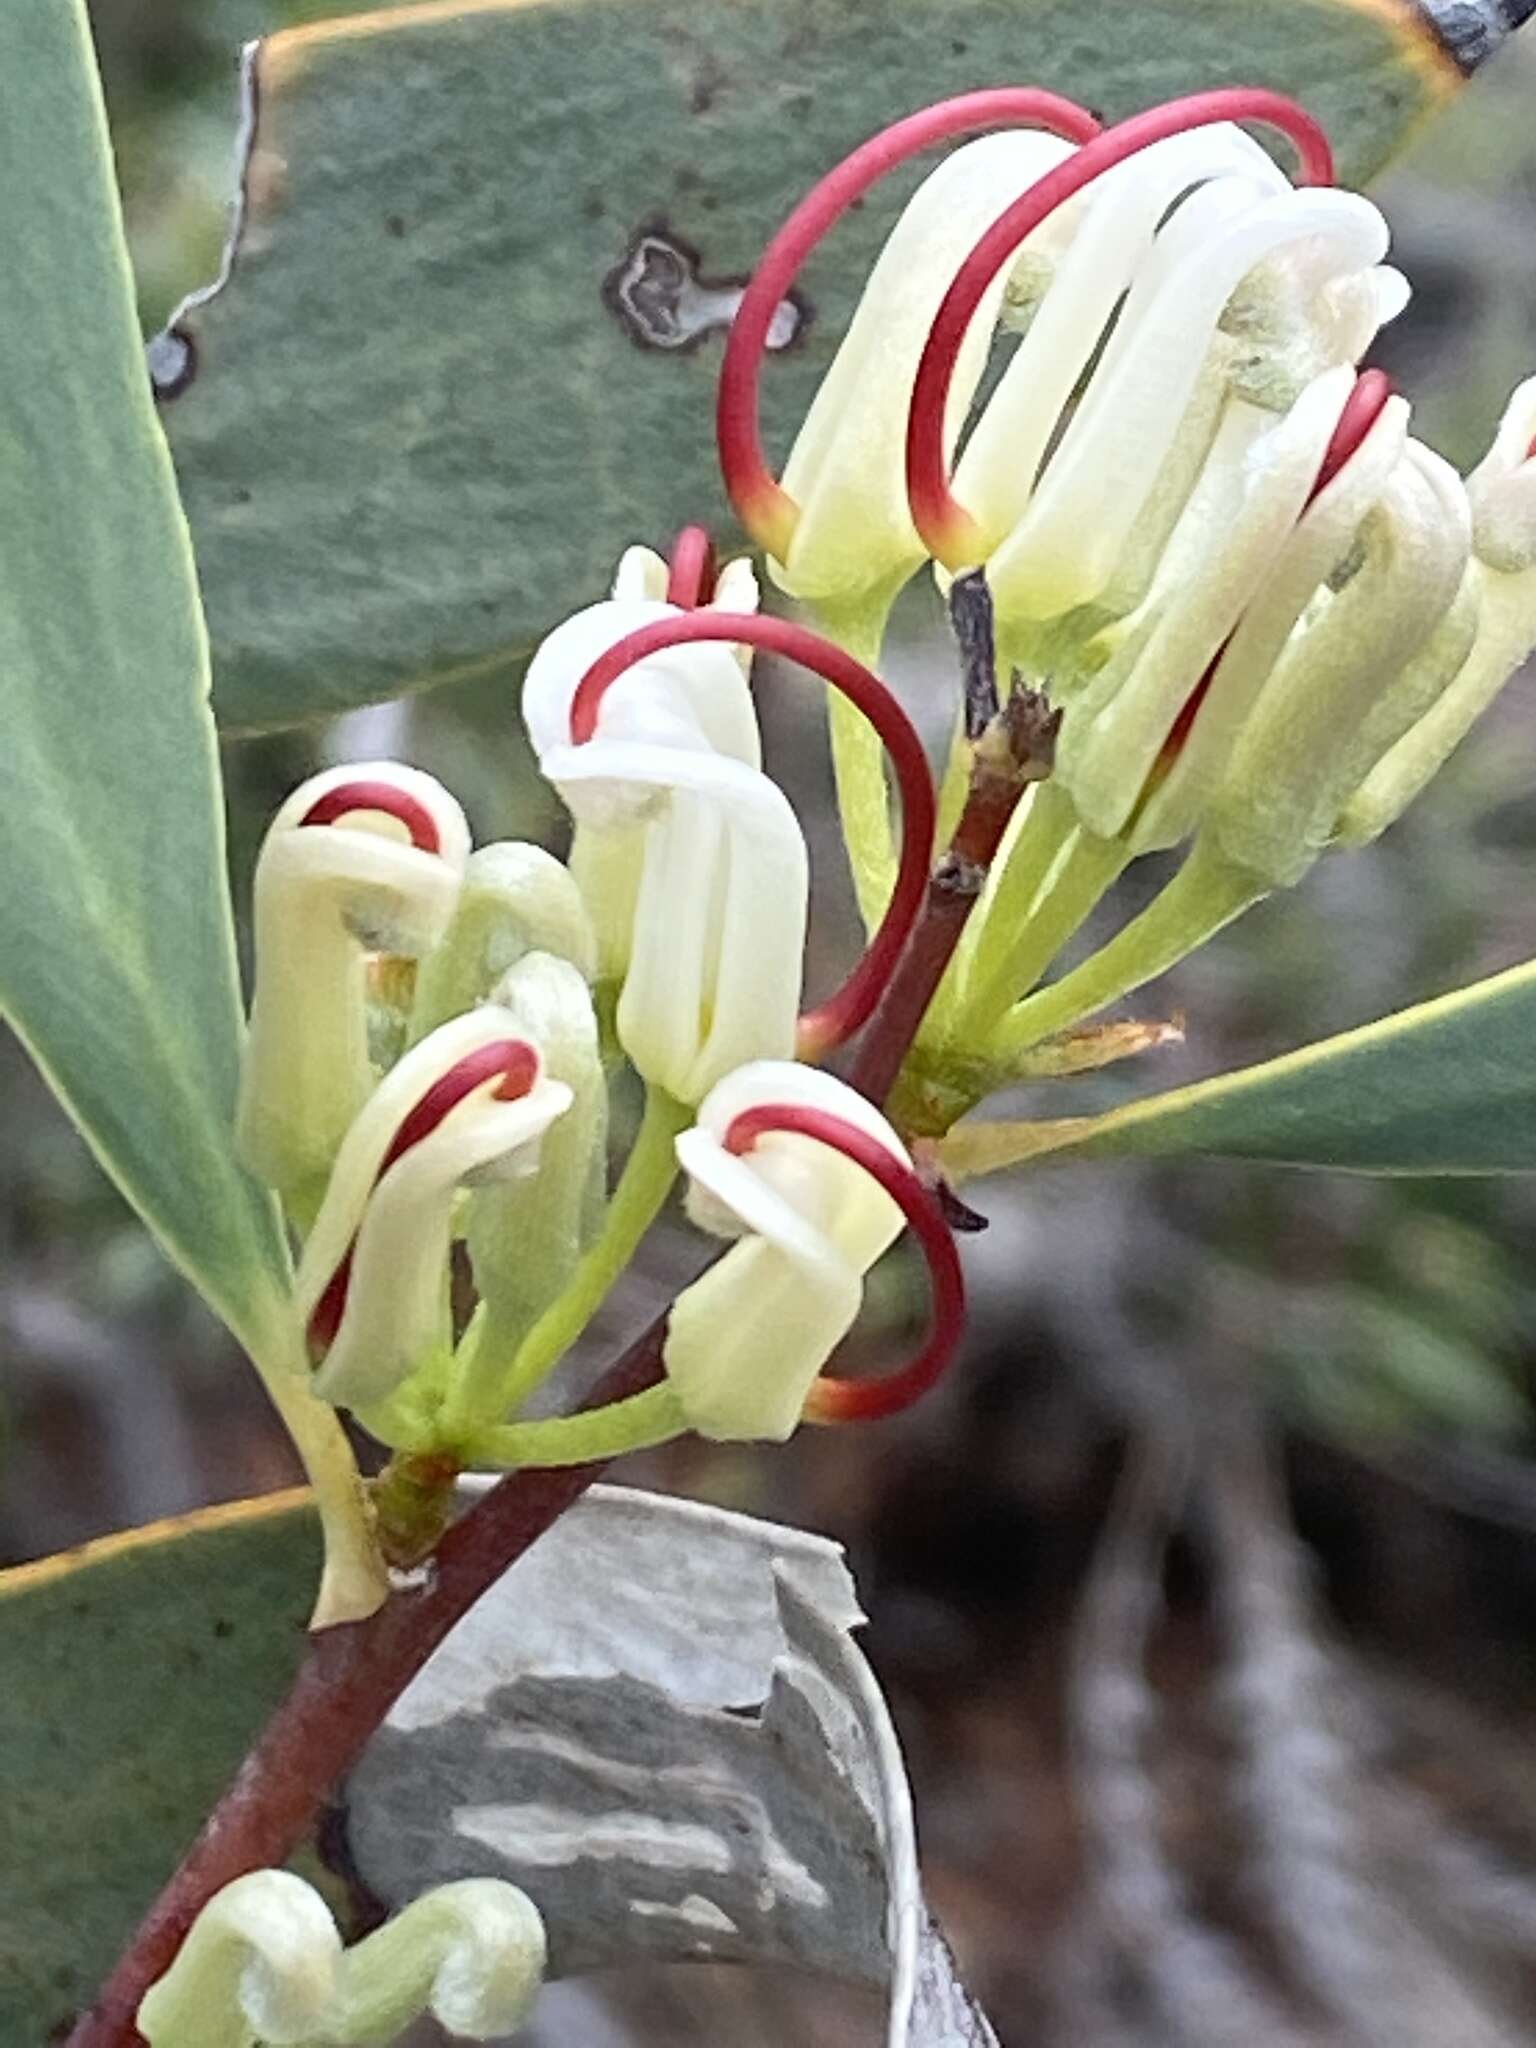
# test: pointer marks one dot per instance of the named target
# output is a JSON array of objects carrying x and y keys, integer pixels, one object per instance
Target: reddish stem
[
  {"x": 765, "y": 509},
  {"x": 840, "y": 1400},
  {"x": 947, "y": 528},
  {"x": 515, "y": 1062},
  {"x": 691, "y": 569},
  {"x": 350, "y": 1679},
  {"x": 845, "y": 1012},
  {"x": 347, "y": 798}
]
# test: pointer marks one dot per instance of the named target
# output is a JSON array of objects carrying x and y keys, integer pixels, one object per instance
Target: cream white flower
[
  {"x": 692, "y": 861},
  {"x": 386, "y": 1224},
  {"x": 854, "y": 540},
  {"x": 327, "y": 895},
  {"x": 1189, "y": 272},
  {"x": 1295, "y": 273},
  {"x": 1269, "y": 651},
  {"x": 746, "y": 1341}
]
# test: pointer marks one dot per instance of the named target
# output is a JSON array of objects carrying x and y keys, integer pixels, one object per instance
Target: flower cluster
[
  {"x": 427, "y": 1062},
  {"x": 1244, "y": 613}
]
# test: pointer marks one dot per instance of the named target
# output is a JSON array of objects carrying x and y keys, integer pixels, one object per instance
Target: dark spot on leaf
[
  {"x": 394, "y": 225},
  {"x": 958, "y": 47},
  {"x": 171, "y": 358},
  {"x": 709, "y": 82},
  {"x": 592, "y": 207},
  {"x": 223, "y": 1629},
  {"x": 662, "y": 300}
]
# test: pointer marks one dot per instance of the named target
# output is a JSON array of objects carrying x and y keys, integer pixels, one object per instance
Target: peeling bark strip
[
  {"x": 1471, "y": 30},
  {"x": 660, "y": 298}
]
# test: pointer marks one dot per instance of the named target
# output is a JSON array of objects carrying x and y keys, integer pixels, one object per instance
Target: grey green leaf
[
  {"x": 117, "y": 962},
  {"x": 137, "y": 1673}
]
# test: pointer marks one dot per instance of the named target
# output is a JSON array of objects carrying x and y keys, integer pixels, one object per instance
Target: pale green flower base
[{"x": 488, "y": 1386}]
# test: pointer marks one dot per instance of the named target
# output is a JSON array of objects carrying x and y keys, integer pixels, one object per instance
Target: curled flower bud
[
  {"x": 360, "y": 860},
  {"x": 839, "y": 527},
  {"x": 263, "y": 1962},
  {"x": 469, "y": 1102},
  {"x": 692, "y": 861},
  {"x": 813, "y": 1181}
]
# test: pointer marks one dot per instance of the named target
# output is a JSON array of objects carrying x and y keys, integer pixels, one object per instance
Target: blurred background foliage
[{"x": 1384, "y": 1333}]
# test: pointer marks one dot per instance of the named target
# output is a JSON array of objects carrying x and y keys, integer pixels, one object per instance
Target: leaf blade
[
  {"x": 1444, "y": 1087},
  {"x": 199, "y": 1625},
  {"x": 117, "y": 963}
]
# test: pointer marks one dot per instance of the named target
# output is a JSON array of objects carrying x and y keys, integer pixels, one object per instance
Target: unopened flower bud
[
  {"x": 262, "y": 1961},
  {"x": 515, "y": 899},
  {"x": 361, "y": 860},
  {"x": 854, "y": 544},
  {"x": 525, "y": 1235},
  {"x": 1056, "y": 546}
]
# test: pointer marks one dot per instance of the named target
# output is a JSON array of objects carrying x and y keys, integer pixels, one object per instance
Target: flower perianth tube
[
  {"x": 1207, "y": 893},
  {"x": 764, "y": 507},
  {"x": 832, "y": 1399},
  {"x": 357, "y": 861},
  {"x": 371, "y": 1288},
  {"x": 494, "y": 1389},
  {"x": 843, "y": 1013},
  {"x": 557, "y": 1442},
  {"x": 691, "y": 859},
  {"x": 947, "y": 529},
  {"x": 814, "y": 1184}
]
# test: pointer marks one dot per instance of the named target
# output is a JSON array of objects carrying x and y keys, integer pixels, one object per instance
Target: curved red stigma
[
  {"x": 1362, "y": 409},
  {"x": 851, "y": 1006},
  {"x": 947, "y": 529},
  {"x": 515, "y": 1062},
  {"x": 839, "y": 1400},
  {"x": 764, "y": 508},
  {"x": 347, "y": 798},
  {"x": 691, "y": 569}
]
